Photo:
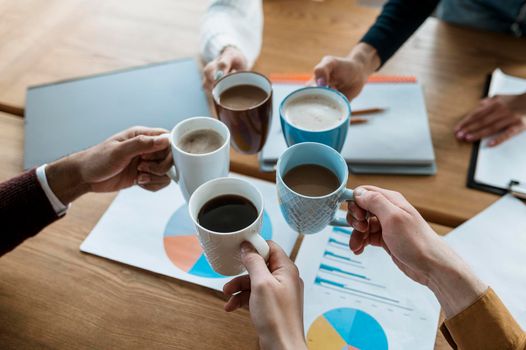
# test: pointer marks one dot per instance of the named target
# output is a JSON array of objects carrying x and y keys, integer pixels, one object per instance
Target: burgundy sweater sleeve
[{"x": 24, "y": 210}]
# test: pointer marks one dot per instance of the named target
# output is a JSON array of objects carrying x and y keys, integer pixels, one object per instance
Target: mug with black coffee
[
  {"x": 311, "y": 179},
  {"x": 226, "y": 212},
  {"x": 243, "y": 101},
  {"x": 201, "y": 152}
]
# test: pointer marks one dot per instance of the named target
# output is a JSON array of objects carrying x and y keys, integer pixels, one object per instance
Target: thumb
[
  {"x": 254, "y": 263},
  {"x": 224, "y": 65},
  {"x": 375, "y": 203},
  {"x": 141, "y": 144}
]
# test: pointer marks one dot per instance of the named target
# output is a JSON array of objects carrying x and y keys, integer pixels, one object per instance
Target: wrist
[
  {"x": 367, "y": 56},
  {"x": 283, "y": 339},
  {"x": 453, "y": 283},
  {"x": 65, "y": 179}
]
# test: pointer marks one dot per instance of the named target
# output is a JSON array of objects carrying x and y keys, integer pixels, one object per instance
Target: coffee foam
[
  {"x": 200, "y": 141},
  {"x": 314, "y": 112}
]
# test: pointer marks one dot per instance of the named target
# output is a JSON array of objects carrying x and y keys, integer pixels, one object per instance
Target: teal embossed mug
[{"x": 311, "y": 214}]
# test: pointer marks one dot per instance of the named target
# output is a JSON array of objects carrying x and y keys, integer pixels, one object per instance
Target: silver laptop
[{"x": 69, "y": 116}]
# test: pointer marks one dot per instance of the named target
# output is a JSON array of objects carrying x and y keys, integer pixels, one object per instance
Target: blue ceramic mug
[
  {"x": 307, "y": 214},
  {"x": 333, "y": 136}
]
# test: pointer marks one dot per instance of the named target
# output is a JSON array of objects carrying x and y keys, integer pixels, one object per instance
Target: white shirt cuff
[{"x": 58, "y": 206}]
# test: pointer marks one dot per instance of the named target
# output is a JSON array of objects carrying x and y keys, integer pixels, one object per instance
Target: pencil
[
  {"x": 367, "y": 111},
  {"x": 355, "y": 121}
]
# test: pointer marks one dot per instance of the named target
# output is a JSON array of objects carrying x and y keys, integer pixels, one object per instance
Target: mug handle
[
  {"x": 260, "y": 245},
  {"x": 173, "y": 174},
  {"x": 347, "y": 195}
]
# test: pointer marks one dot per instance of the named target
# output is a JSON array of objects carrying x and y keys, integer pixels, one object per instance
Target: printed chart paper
[
  {"x": 153, "y": 231},
  {"x": 361, "y": 302}
]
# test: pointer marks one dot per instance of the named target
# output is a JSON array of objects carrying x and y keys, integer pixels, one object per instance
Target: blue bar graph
[
  {"x": 338, "y": 256},
  {"x": 343, "y": 288},
  {"x": 342, "y": 230},
  {"x": 325, "y": 267}
]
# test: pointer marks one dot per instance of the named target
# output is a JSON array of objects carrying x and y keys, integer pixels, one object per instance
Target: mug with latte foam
[
  {"x": 201, "y": 152},
  {"x": 315, "y": 114}
]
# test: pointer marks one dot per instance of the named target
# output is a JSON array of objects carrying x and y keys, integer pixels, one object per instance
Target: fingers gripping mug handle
[
  {"x": 260, "y": 245},
  {"x": 173, "y": 174},
  {"x": 347, "y": 195}
]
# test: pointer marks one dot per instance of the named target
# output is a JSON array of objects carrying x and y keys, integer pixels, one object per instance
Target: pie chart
[
  {"x": 346, "y": 328},
  {"x": 182, "y": 247}
]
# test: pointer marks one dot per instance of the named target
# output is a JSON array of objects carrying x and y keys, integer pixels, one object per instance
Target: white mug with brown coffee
[
  {"x": 311, "y": 179},
  {"x": 227, "y": 212},
  {"x": 201, "y": 152}
]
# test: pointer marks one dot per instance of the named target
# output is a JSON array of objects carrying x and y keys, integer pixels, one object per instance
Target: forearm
[
  {"x": 65, "y": 180},
  {"x": 24, "y": 210},
  {"x": 398, "y": 20},
  {"x": 232, "y": 23},
  {"x": 452, "y": 281},
  {"x": 367, "y": 56}
]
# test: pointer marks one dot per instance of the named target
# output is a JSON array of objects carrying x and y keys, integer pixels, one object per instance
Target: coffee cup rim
[
  {"x": 334, "y": 91},
  {"x": 222, "y": 179},
  {"x": 174, "y": 144},
  {"x": 269, "y": 95},
  {"x": 316, "y": 144}
]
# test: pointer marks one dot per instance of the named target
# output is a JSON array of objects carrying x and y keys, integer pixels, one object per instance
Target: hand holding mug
[
  {"x": 385, "y": 219},
  {"x": 113, "y": 165},
  {"x": 274, "y": 295},
  {"x": 230, "y": 60}
]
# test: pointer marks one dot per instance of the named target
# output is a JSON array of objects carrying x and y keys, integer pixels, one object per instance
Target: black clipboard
[{"x": 471, "y": 182}]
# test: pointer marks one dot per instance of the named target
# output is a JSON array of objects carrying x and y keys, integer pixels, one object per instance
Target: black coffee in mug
[{"x": 227, "y": 213}]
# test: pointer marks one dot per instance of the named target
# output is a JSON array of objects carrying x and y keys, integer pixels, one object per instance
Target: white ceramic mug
[
  {"x": 223, "y": 249},
  {"x": 192, "y": 170}
]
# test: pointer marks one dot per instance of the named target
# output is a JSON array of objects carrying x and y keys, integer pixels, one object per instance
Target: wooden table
[{"x": 54, "y": 296}]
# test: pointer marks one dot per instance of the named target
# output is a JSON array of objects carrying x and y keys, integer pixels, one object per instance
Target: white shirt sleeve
[
  {"x": 232, "y": 22},
  {"x": 58, "y": 206}
]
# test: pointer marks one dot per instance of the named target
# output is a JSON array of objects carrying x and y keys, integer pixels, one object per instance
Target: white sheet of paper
[
  {"x": 362, "y": 301},
  {"x": 494, "y": 244},
  {"x": 153, "y": 231},
  {"x": 399, "y": 135},
  {"x": 496, "y": 166}
]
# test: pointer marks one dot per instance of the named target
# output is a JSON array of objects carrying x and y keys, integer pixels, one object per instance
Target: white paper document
[
  {"x": 153, "y": 231},
  {"x": 496, "y": 166},
  {"x": 494, "y": 244},
  {"x": 361, "y": 302}
]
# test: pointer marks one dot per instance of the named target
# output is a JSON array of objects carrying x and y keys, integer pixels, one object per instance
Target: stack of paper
[
  {"x": 494, "y": 244},
  {"x": 396, "y": 141}
]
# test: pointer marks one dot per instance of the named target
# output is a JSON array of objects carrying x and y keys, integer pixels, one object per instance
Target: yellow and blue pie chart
[
  {"x": 182, "y": 247},
  {"x": 346, "y": 329}
]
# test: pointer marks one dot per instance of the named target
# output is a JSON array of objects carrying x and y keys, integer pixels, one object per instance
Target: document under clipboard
[{"x": 500, "y": 169}]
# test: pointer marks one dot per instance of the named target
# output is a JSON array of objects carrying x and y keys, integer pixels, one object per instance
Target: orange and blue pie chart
[
  {"x": 346, "y": 329},
  {"x": 182, "y": 247}
]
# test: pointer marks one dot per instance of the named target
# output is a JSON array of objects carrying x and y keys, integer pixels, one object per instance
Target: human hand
[
  {"x": 347, "y": 74},
  {"x": 137, "y": 155},
  {"x": 230, "y": 60},
  {"x": 385, "y": 219},
  {"x": 504, "y": 115},
  {"x": 274, "y": 295}
]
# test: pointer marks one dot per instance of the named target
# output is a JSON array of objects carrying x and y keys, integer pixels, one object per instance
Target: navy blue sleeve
[{"x": 398, "y": 20}]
